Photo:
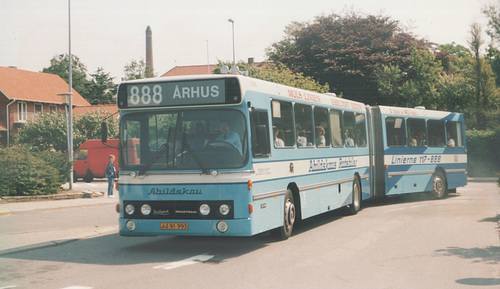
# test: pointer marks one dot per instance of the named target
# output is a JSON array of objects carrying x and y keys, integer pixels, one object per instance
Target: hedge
[
  {"x": 483, "y": 152},
  {"x": 23, "y": 172}
]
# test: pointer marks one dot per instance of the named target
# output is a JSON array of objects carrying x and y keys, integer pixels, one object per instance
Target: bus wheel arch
[
  {"x": 357, "y": 194},
  {"x": 439, "y": 184},
  {"x": 292, "y": 187}
]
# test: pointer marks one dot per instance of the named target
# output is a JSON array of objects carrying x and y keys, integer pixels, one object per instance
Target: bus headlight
[
  {"x": 224, "y": 209},
  {"x": 204, "y": 209},
  {"x": 130, "y": 225},
  {"x": 222, "y": 226},
  {"x": 129, "y": 209},
  {"x": 146, "y": 209}
]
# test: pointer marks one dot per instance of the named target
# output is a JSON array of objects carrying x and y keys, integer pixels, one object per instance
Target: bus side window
[
  {"x": 336, "y": 128},
  {"x": 360, "y": 130},
  {"x": 321, "y": 125},
  {"x": 349, "y": 129},
  {"x": 396, "y": 131},
  {"x": 303, "y": 125},
  {"x": 283, "y": 121},
  {"x": 454, "y": 134},
  {"x": 259, "y": 126},
  {"x": 436, "y": 133},
  {"x": 416, "y": 132}
]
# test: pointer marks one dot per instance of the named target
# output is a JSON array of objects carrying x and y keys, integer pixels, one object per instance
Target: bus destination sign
[{"x": 179, "y": 93}]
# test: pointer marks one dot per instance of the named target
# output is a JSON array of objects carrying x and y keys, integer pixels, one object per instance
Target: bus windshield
[{"x": 184, "y": 140}]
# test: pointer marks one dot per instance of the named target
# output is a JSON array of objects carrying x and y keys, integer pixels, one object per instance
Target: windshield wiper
[
  {"x": 156, "y": 155},
  {"x": 153, "y": 159}
]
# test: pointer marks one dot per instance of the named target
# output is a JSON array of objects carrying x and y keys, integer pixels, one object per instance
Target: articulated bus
[{"x": 228, "y": 155}]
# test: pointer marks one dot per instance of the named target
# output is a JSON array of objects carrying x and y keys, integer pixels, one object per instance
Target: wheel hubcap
[
  {"x": 438, "y": 184},
  {"x": 289, "y": 215}
]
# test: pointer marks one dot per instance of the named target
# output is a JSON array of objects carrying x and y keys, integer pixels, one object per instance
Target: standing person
[{"x": 111, "y": 175}]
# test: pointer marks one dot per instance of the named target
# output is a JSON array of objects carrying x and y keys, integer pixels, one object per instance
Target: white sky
[{"x": 111, "y": 33}]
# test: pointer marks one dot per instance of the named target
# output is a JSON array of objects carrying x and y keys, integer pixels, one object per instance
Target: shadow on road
[
  {"x": 488, "y": 255},
  {"x": 116, "y": 250}
]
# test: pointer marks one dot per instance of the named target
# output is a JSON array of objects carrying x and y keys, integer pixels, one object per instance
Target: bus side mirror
[{"x": 104, "y": 132}]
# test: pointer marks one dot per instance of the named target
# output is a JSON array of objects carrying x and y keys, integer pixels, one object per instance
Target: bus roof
[
  {"x": 415, "y": 112},
  {"x": 252, "y": 84}
]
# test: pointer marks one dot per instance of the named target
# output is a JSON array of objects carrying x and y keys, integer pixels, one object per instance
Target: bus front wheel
[
  {"x": 439, "y": 187},
  {"x": 285, "y": 231}
]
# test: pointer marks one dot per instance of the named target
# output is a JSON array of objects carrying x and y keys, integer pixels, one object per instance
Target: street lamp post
[
  {"x": 70, "y": 105},
  {"x": 232, "y": 22}
]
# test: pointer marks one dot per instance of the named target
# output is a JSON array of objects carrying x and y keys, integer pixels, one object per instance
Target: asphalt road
[{"x": 403, "y": 242}]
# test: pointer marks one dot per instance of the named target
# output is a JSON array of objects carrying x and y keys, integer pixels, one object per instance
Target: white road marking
[{"x": 185, "y": 262}]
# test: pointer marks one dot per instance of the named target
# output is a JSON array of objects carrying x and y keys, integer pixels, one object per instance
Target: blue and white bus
[{"x": 228, "y": 155}]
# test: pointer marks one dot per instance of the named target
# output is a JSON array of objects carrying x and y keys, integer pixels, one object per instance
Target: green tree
[
  {"x": 21, "y": 173},
  {"x": 493, "y": 16},
  {"x": 454, "y": 57},
  {"x": 278, "y": 74},
  {"x": 88, "y": 126},
  {"x": 48, "y": 131},
  {"x": 101, "y": 88},
  {"x": 415, "y": 86},
  {"x": 345, "y": 51},
  {"x": 59, "y": 66},
  {"x": 137, "y": 70},
  {"x": 485, "y": 99},
  {"x": 493, "y": 57}
]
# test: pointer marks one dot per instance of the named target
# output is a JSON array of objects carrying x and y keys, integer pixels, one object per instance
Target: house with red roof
[
  {"x": 109, "y": 109},
  {"x": 200, "y": 69},
  {"x": 26, "y": 94},
  {"x": 190, "y": 70}
]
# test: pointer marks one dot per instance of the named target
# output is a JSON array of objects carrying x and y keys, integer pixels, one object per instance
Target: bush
[
  {"x": 483, "y": 152},
  {"x": 22, "y": 173}
]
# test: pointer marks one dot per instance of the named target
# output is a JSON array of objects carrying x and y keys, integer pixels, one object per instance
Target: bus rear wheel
[
  {"x": 285, "y": 231},
  {"x": 439, "y": 186},
  {"x": 355, "y": 207}
]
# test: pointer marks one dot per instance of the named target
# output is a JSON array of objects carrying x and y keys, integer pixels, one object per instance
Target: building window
[
  {"x": 22, "y": 111},
  {"x": 38, "y": 108}
]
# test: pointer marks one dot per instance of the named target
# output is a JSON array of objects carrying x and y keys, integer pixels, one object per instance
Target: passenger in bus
[
  {"x": 349, "y": 141},
  {"x": 451, "y": 141},
  {"x": 277, "y": 141},
  {"x": 413, "y": 142},
  {"x": 228, "y": 136},
  {"x": 301, "y": 138},
  {"x": 320, "y": 136},
  {"x": 197, "y": 138},
  {"x": 422, "y": 140}
]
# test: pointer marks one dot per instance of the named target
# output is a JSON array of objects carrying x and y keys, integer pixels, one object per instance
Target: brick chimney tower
[{"x": 149, "y": 52}]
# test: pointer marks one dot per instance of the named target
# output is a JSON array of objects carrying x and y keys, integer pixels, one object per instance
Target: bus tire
[
  {"x": 355, "y": 206},
  {"x": 285, "y": 231},
  {"x": 439, "y": 186}
]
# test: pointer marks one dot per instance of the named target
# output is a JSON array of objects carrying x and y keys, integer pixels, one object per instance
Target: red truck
[{"x": 91, "y": 159}]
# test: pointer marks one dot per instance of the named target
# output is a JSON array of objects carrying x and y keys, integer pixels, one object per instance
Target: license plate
[{"x": 174, "y": 226}]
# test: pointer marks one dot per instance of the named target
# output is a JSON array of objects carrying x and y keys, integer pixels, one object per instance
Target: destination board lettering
[{"x": 159, "y": 94}]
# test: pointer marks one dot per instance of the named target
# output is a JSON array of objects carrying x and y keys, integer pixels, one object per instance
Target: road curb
[
  {"x": 53, "y": 197},
  {"x": 5, "y": 213},
  {"x": 36, "y": 246}
]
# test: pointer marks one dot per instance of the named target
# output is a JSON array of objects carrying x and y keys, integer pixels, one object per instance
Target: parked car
[{"x": 91, "y": 159}]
